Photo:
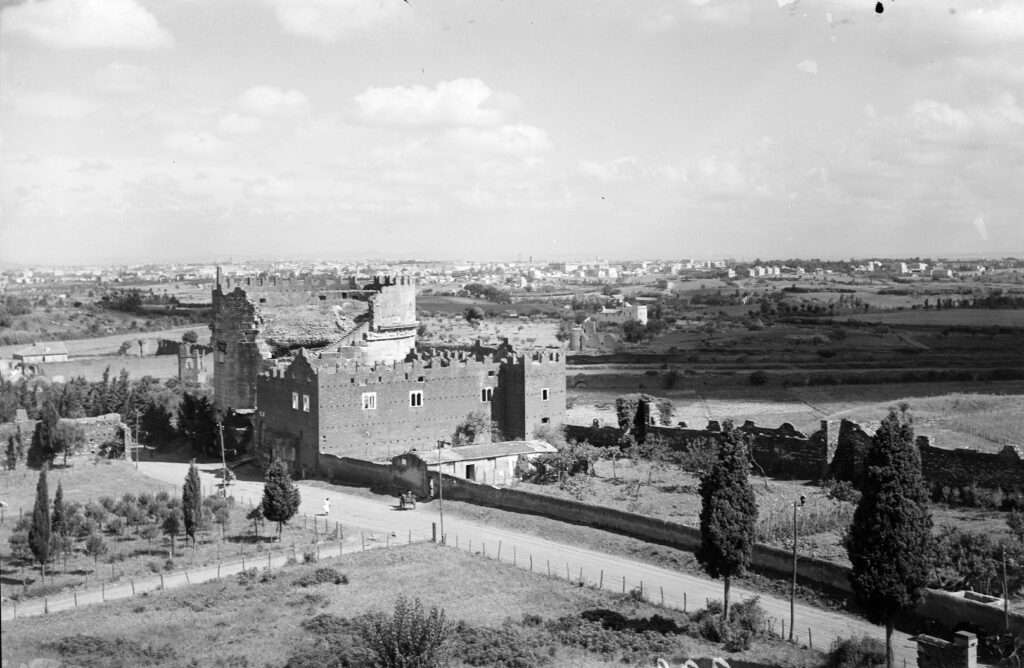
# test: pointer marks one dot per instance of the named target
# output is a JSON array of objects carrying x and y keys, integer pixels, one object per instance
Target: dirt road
[{"x": 615, "y": 573}]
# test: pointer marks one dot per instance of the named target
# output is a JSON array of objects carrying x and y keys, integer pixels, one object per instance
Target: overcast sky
[{"x": 137, "y": 130}]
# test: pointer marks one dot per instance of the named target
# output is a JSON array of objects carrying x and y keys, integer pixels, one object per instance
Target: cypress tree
[
  {"x": 280, "y": 496},
  {"x": 728, "y": 512},
  {"x": 889, "y": 542},
  {"x": 39, "y": 535},
  {"x": 59, "y": 518},
  {"x": 192, "y": 502}
]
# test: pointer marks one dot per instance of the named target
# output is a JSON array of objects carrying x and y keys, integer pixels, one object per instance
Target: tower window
[
  {"x": 305, "y": 402},
  {"x": 486, "y": 394},
  {"x": 416, "y": 398},
  {"x": 369, "y": 401},
  {"x": 544, "y": 394},
  {"x": 295, "y": 400}
]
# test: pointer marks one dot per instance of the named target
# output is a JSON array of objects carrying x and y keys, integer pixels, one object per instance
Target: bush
[
  {"x": 862, "y": 652},
  {"x": 758, "y": 378},
  {"x": 844, "y": 490},
  {"x": 410, "y": 636},
  {"x": 82, "y": 650},
  {"x": 506, "y": 647},
  {"x": 321, "y": 576}
]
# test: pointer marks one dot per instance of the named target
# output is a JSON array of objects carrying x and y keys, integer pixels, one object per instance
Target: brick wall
[{"x": 236, "y": 348}]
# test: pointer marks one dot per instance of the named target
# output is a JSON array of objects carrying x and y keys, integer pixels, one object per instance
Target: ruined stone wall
[
  {"x": 783, "y": 451},
  {"x": 937, "y": 653},
  {"x": 97, "y": 430},
  {"x": 395, "y": 303},
  {"x": 237, "y": 352},
  {"x": 284, "y": 428},
  {"x": 1003, "y": 469}
]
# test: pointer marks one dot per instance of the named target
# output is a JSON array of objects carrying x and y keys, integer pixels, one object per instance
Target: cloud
[
  {"x": 88, "y": 166},
  {"x": 979, "y": 225},
  {"x": 629, "y": 169},
  {"x": 87, "y": 24},
  {"x": 659, "y": 23},
  {"x": 808, "y": 66},
  {"x": 519, "y": 139},
  {"x": 196, "y": 143},
  {"x": 53, "y": 104},
  {"x": 240, "y": 123},
  {"x": 331, "y": 20},
  {"x": 268, "y": 100},
  {"x": 123, "y": 78},
  {"x": 450, "y": 103}
]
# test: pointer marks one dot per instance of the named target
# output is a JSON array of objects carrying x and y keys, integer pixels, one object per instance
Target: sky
[{"x": 177, "y": 130}]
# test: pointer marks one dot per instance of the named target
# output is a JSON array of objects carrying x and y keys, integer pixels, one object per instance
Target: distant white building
[{"x": 623, "y": 314}]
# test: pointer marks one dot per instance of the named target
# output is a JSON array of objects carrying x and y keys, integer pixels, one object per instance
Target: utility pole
[
  {"x": 223, "y": 461},
  {"x": 138, "y": 439},
  {"x": 1006, "y": 594},
  {"x": 792, "y": 591},
  {"x": 440, "y": 488}
]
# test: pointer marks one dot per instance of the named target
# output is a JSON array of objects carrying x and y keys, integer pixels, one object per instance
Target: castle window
[
  {"x": 295, "y": 400},
  {"x": 420, "y": 379},
  {"x": 369, "y": 401},
  {"x": 491, "y": 372},
  {"x": 486, "y": 394},
  {"x": 305, "y": 403},
  {"x": 416, "y": 398},
  {"x": 544, "y": 394},
  {"x": 545, "y": 420}
]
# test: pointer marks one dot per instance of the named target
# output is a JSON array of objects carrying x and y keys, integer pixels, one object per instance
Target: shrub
[
  {"x": 82, "y": 650},
  {"x": 844, "y": 490},
  {"x": 410, "y": 636},
  {"x": 861, "y": 652},
  {"x": 505, "y": 647},
  {"x": 758, "y": 378},
  {"x": 321, "y": 576}
]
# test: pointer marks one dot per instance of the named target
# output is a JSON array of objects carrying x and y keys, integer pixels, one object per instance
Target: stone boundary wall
[
  {"x": 836, "y": 450},
  {"x": 936, "y": 653},
  {"x": 98, "y": 430}
]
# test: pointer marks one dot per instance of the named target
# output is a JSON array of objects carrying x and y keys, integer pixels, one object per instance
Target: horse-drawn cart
[{"x": 407, "y": 501}]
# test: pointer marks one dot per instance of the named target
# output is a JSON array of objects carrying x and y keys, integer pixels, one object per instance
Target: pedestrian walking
[{"x": 327, "y": 507}]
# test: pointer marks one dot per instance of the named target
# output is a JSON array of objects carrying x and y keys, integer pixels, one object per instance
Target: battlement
[{"x": 263, "y": 283}]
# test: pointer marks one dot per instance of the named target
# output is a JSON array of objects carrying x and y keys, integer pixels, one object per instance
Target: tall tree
[
  {"x": 59, "y": 518},
  {"x": 68, "y": 437},
  {"x": 192, "y": 502},
  {"x": 196, "y": 422},
  {"x": 728, "y": 511},
  {"x": 39, "y": 532},
  {"x": 889, "y": 542},
  {"x": 280, "y": 496},
  {"x": 44, "y": 445}
]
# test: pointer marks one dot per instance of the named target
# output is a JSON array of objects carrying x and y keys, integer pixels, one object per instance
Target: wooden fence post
[
  {"x": 499, "y": 550},
  {"x": 623, "y": 584},
  {"x": 662, "y": 597},
  {"x": 601, "y": 581}
]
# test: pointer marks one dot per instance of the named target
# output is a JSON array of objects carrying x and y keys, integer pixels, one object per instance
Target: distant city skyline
[{"x": 155, "y": 131}]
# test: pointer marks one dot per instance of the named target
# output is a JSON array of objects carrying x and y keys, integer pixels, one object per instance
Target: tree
[
  {"x": 172, "y": 526},
  {"x": 410, "y": 636},
  {"x": 192, "y": 502},
  {"x": 889, "y": 542},
  {"x": 196, "y": 422},
  {"x": 256, "y": 517},
  {"x": 59, "y": 518},
  {"x": 95, "y": 547},
  {"x": 728, "y": 511},
  {"x": 40, "y": 540},
  {"x": 474, "y": 315},
  {"x": 44, "y": 440},
  {"x": 476, "y": 426},
  {"x": 191, "y": 336},
  {"x": 68, "y": 437},
  {"x": 280, "y": 496}
]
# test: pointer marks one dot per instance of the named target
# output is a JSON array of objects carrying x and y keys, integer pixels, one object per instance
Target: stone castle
[{"x": 371, "y": 391}]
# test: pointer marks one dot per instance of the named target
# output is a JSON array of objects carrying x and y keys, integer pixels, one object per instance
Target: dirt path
[{"x": 382, "y": 518}]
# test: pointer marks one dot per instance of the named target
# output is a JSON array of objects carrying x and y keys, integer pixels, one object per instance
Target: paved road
[{"x": 377, "y": 522}]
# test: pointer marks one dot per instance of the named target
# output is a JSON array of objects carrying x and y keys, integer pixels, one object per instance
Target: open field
[
  {"x": 227, "y": 622},
  {"x": 970, "y": 317},
  {"x": 109, "y": 345}
]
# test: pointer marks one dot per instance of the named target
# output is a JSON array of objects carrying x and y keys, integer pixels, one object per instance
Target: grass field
[
  {"x": 260, "y": 621},
  {"x": 968, "y": 317},
  {"x": 109, "y": 345}
]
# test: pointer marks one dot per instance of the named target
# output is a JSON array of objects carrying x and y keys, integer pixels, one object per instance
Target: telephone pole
[
  {"x": 440, "y": 488},
  {"x": 223, "y": 461},
  {"x": 792, "y": 591}
]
